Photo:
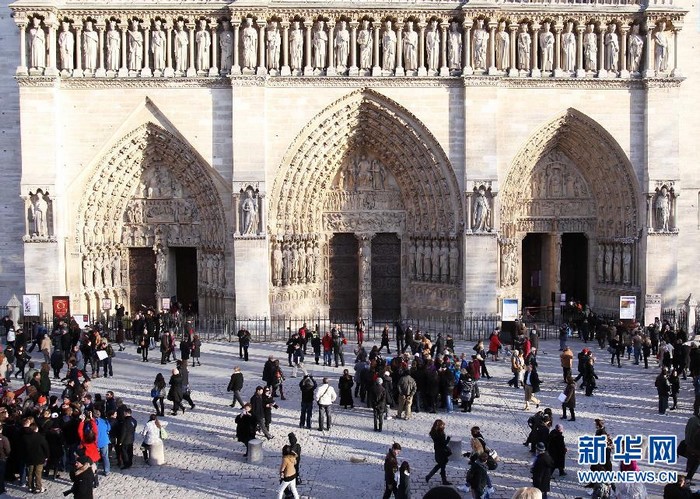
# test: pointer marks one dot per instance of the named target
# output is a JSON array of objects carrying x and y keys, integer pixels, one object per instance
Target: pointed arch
[{"x": 366, "y": 120}]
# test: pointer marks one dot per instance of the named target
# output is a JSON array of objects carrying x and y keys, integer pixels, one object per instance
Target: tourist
[
  {"x": 288, "y": 473},
  {"x": 391, "y": 467},
  {"x": 83, "y": 477},
  {"x": 127, "y": 437},
  {"x": 517, "y": 366},
  {"x": 569, "y": 401},
  {"x": 243, "y": 343},
  {"x": 478, "y": 477},
  {"x": 567, "y": 362},
  {"x": 196, "y": 350},
  {"x": 403, "y": 491},
  {"x": 441, "y": 450},
  {"x": 327, "y": 342},
  {"x": 379, "y": 404},
  {"x": 316, "y": 345},
  {"x": 268, "y": 405},
  {"x": 345, "y": 384},
  {"x": 325, "y": 396},
  {"x": 692, "y": 442},
  {"x": 557, "y": 449},
  {"x": 235, "y": 385},
  {"x": 158, "y": 394},
  {"x": 152, "y": 435},
  {"x": 531, "y": 385},
  {"x": 495, "y": 345},
  {"x": 277, "y": 380},
  {"x": 36, "y": 452},
  {"x": 542, "y": 469},
  {"x": 245, "y": 427},
  {"x": 296, "y": 447},
  {"x": 407, "y": 390},
  {"x": 175, "y": 393},
  {"x": 527, "y": 493},
  {"x": 307, "y": 387},
  {"x": 185, "y": 373},
  {"x": 186, "y": 348},
  {"x": 143, "y": 348},
  {"x": 385, "y": 339},
  {"x": 590, "y": 376},
  {"x": 257, "y": 405},
  {"x": 339, "y": 342},
  {"x": 103, "y": 429}
]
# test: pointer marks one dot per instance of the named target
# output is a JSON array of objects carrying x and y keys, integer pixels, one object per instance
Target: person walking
[
  {"x": 557, "y": 449},
  {"x": 441, "y": 450},
  {"x": 235, "y": 385},
  {"x": 692, "y": 441},
  {"x": 567, "y": 362},
  {"x": 391, "y": 466},
  {"x": 385, "y": 340},
  {"x": 186, "y": 392},
  {"x": 257, "y": 404},
  {"x": 531, "y": 384},
  {"x": 569, "y": 401},
  {"x": 663, "y": 389},
  {"x": 542, "y": 469},
  {"x": 517, "y": 365},
  {"x": 288, "y": 474},
  {"x": 175, "y": 392},
  {"x": 325, "y": 396},
  {"x": 478, "y": 476},
  {"x": 403, "y": 491},
  {"x": 158, "y": 394}
]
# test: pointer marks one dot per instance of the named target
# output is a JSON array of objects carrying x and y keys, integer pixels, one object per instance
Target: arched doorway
[
  {"x": 366, "y": 201},
  {"x": 150, "y": 225},
  {"x": 570, "y": 218}
]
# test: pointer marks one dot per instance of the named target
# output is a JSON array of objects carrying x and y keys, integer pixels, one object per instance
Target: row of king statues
[{"x": 210, "y": 47}]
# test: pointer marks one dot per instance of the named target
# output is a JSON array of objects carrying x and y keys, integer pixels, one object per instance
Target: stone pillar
[
  {"x": 191, "y": 70},
  {"x": 444, "y": 69},
  {"x": 535, "y": 72},
  {"x": 691, "y": 305},
  {"x": 376, "y": 40},
  {"x": 650, "y": 212},
  {"x": 214, "y": 69},
  {"x": 262, "y": 214},
  {"x": 236, "y": 68},
  {"x": 353, "y": 70},
  {"x": 285, "y": 70},
  {"x": 513, "y": 70},
  {"x": 492, "y": 48},
  {"x": 469, "y": 195},
  {"x": 602, "y": 73},
  {"x": 467, "y": 46},
  {"x": 52, "y": 25},
  {"x": 146, "y": 71},
  {"x": 580, "y": 71},
  {"x": 649, "y": 51},
  {"x": 624, "y": 28},
  {"x": 78, "y": 70},
  {"x": 399, "y": 48},
  {"x": 100, "y": 71},
  {"x": 169, "y": 71},
  {"x": 308, "y": 69},
  {"x": 676, "y": 72},
  {"x": 365, "y": 274},
  {"x": 22, "y": 69},
  {"x": 330, "y": 67},
  {"x": 557, "y": 50},
  {"x": 262, "y": 67},
  {"x": 124, "y": 70},
  {"x": 421, "y": 49}
]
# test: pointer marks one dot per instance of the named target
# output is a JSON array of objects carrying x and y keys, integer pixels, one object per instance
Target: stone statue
[
  {"x": 364, "y": 40},
  {"x": 634, "y": 52},
  {"x": 412, "y": 259},
  {"x": 113, "y": 47},
  {"x": 547, "y": 47},
  {"x": 342, "y": 46},
  {"x": 296, "y": 47},
  {"x": 454, "y": 47},
  {"x": 273, "y": 42},
  {"x": 181, "y": 48},
  {"x": 37, "y": 45},
  {"x": 389, "y": 48},
  {"x": 87, "y": 272},
  {"x": 319, "y": 44},
  {"x": 135, "y": 42},
  {"x": 481, "y": 43},
  {"x": 250, "y": 44},
  {"x": 294, "y": 260},
  {"x": 410, "y": 48},
  {"x": 287, "y": 264},
  {"x": 249, "y": 209},
  {"x": 509, "y": 265},
  {"x": 97, "y": 272},
  {"x": 302, "y": 262},
  {"x": 568, "y": 46},
  {"x": 435, "y": 261},
  {"x": 617, "y": 266},
  {"x": 454, "y": 262},
  {"x": 612, "y": 49},
  {"x": 626, "y": 264},
  {"x": 203, "y": 44},
  {"x": 432, "y": 47},
  {"x": 590, "y": 49},
  {"x": 608, "y": 263},
  {"x": 90, "y": 47},
  {"x": 226, "y": 45},
  {"x": 39, "y": 215},
  {"x": 502, "y": 47},
  {"x": 661, "y": 48},
  {"x": 277, "y": 263},
  {"x": 427, "y": 260},
  {"x": 662, "y": 207},
  {"x": 66, "y": 44},
  {"x": 444, "y": 262},
  {"x": 600, "y": 263},
  {"x": 363, "y": 174},
  {"x": 524, "y": 44},
  {"x": 158, "y": 46},
  {"x": 419, "y": 259},
  {"x": 117, "y": 271},
  {"x": 310, "y": 263},
  {"x": 482, "y": 212}
]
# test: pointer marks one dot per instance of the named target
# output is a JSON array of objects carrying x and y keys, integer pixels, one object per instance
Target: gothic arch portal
[
  {"x": 151, "y": 191},
  {"x": 573, "y": 177},
  {"x": 312, "y": 198}
]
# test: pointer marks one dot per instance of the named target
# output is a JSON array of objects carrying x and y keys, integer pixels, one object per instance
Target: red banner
[{"x": 61, "y": 307}]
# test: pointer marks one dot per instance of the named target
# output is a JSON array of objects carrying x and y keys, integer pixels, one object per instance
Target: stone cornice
[{"x": 348, "y": 82}]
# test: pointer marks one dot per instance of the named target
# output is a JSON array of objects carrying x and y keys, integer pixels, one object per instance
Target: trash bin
[{"x": 255, "y": 451}]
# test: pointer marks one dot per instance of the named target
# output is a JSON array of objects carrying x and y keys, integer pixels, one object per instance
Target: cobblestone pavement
[{"x": 204, "y": 459}]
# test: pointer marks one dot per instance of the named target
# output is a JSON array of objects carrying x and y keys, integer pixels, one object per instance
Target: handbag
[
  {"x": 155, "y": 392},
  {"x": 682, "y": 449},
  {"x": 138, "y": 349},
  {"x": 611, "y": 350},
  {"x": 448, "y": 451},
  {"x": 163, "y": 433}
]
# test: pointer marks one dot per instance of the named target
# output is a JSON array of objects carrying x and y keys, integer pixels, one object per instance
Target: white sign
[
  {"x": 106, "y": 304},
  {"x": 652, "y": 308},
  {"x": 31, "y": 306},
  {"x": 628, "y": 307},
  {"x": 101, "y": 354},
  {"x": 81, "y": 320},
  {"x": 165, "y": 303},
  {"x": 510, "y": 310}
]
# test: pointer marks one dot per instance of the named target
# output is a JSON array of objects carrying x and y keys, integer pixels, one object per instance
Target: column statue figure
[
  {"x": 250, "y": 45},
  {"x": 181, "y": 44},
  {"x": 342, "y": 46},
  {"x": 410, "y": 48},
  {"x": 590, "y": 49},
  {"x": 481, "y": 42},
  {"x": 90, "y": 41},
  {"x": 612, "y": 49},
  {"x": 37, "y": 45},
  {"x": 113, "y": 47},
  {"x": 39, "y": 214},
  {"x": 135, "y": 43},
  {"x": 568, "y": 45},
  {"x": 502, "y": 47},
  {"x": 634, "y": 51},
  {"x": 296, "y": 47},
  {"x": 454, "y": 47},
  {"x": 432, "y": 47},
  {"x": 482, "y": 212},
  {"x": 158, "y": 46},
  {"x": 524, "y": 44},
  {"x": 66, "y": 44},
  {"x": 249, "y": 211},
  {"x": 319, "y": 44},
  {"x": 389, "y": 48},
  {"x": 661, "y": 48},
  {"x": 662, "y": 207},
  {"x": 273, "y": 42},
  {"x": 203, "y": 44},
  {"x": 364, "y": 40},
  {"x": 226, "y": 46},
  {"x": 547, "y": 47}
]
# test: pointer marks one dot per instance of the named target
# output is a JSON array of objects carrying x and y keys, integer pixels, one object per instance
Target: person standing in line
[
  {"x": 235, "y": 385},
  {"x": 391, "y": 466},
  {"x": 442, "y": 451},
  {"x": 325, "y": 396}
]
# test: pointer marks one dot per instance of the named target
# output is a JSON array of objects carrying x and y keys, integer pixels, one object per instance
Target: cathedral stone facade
[{"x": 378, "y": 159}]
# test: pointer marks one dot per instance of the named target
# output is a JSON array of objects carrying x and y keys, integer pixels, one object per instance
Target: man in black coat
[
  {"x": 126, "y": 439},
  {"x": 243, "y": 343},
  {"x": 378, "y": 404},
  {"x": 235, "y": 385},
  {"x": 557, "y": 449},
  {"x": 542, "y": 470},
  {"x": 36, "y": 452},
  {"x": 268, "y": 375},
  {"x": 258, "y": 411}
]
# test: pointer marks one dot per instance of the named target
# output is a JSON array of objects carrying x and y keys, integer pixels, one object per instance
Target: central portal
[
  {"x": 142, "y": 279},
  {"x": 386, "y": 277}
]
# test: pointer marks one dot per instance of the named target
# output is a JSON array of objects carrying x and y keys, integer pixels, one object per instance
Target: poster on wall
[
  {"x": 31, "y": 305},
  {"x": 510, "y": 310},
  {"x": 106, "y": 304},
  {"x": 165, "y": 303},
  {"x": 628, "y": 307},
  {"x": 61, "y": 307},
  {"x": 652, "y": 308}
]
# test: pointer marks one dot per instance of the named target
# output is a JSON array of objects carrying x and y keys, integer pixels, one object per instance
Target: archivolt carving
[
  {"x": 370, "y": 122},
  {"x": 570, "y": 169}
]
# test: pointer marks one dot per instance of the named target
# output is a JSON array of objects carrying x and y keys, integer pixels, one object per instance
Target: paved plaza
[{"x": 203, "y": 459}]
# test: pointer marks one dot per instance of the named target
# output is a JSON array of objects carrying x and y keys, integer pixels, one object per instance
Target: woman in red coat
[{"x": 88, "y": 437}]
